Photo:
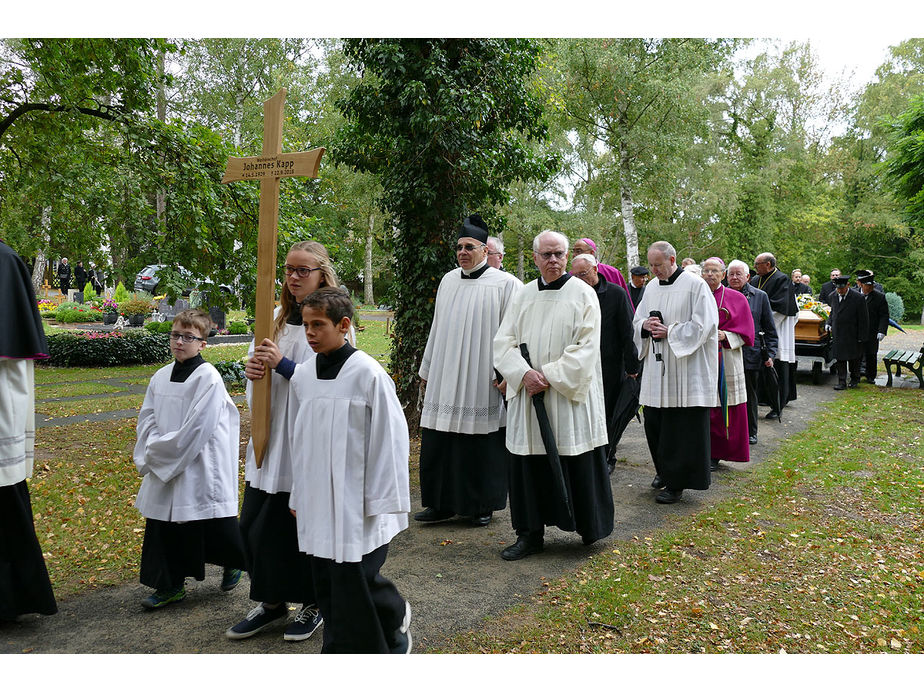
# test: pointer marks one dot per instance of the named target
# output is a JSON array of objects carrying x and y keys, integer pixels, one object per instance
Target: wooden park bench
[{"x": 900, "y": 358}]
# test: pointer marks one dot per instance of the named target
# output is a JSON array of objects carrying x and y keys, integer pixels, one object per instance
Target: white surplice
[
  {"x": 561, "y": 328},
  {"x": 786, "y": 331},
  {"x": 17, "y": 424},
  {"x": 690, "y": 350},
  {"x": 275, "y": 475},
  {"x": 458, "y": 359},
  {"x": 350, "y": 450},
  {"x": 187, "y": 448}
]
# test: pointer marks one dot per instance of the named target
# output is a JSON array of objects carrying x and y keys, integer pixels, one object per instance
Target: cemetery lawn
[{"x": 816, "y": 550}]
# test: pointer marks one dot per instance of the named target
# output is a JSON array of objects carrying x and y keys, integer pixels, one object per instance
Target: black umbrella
[
  {"x": 896, "y": 325},
  {"x": 625, "y": 409},
  {"x": 768, "y": 382},
  {"x": 548, "y": 440}
]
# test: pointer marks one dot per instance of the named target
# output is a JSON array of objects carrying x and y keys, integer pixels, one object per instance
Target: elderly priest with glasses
[
  {"x": 549, "y": 344},
  {"x": 463, "y": 460}
]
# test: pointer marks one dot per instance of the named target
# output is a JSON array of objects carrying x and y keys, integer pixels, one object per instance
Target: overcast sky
[{"x": 846, "y": 36}]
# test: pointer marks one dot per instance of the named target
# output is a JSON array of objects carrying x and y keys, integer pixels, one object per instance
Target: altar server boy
[
  {"x": 187, "y": 451},
  {"x": 350, "y": 481}
]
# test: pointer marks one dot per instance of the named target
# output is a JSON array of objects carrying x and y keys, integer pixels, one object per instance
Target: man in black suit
[
  {"x": 827, "y": 289},
  {"x": 618, "y": 355},
  {"x": 878, "y": 310},
  {"x": 797, "y": 286},
  {"x": 848, "y": 324},
  {"x": 764, "y": 330}
]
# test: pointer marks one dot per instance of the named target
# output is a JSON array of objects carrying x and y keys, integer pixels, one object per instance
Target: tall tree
[
  {"x": 643, "y": 99},
  {"x": 445, "y": 124}
]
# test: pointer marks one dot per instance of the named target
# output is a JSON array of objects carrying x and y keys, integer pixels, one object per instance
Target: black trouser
[
  {"x": 841, "y": 367},
  {"x": 750, "y": 382},
  {"x": 871, "y": 358}
]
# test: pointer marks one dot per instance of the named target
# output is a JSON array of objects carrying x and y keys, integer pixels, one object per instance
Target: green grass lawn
[{"x": 817, "y": 550}]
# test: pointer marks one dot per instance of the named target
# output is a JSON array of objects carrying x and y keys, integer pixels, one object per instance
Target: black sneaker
[
  {"x": 258, "y": 619},
  {"x": 230, "y": 579},
  {"x": 307, "y": 621},
  {"x": 163, "y": 597}
]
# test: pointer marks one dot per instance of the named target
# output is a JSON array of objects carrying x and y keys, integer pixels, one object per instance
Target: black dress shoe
[
  {"x": 523, "y": 547},
  {"x": 752, "y": 440},
  {"x": 713, "y": 465},
  {"x": 433, "y": 515},
  {"x": 482, "y": 520},
  {"x": 668, "y": 496},
  {"x": 657, "y": 482},
  {"x": 840, "y": 386},
  {"x": 856, "y": 383},
  {"x": 772, "y": 415}
]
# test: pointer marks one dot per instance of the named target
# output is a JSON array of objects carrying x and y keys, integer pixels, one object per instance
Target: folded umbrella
[
  {"x": 768, "y": 382},
  {"x": 625, "y": 409},
  {"x": 896, "y": 325},
  {"x": 548, "y": 440}
]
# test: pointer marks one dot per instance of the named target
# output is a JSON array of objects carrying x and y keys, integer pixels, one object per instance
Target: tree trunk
[
  {"x": 628, "y": 213},
  {"x": 520, "y": 257},
  {"x": 41, "y": 260},
  {"x": 368, "y": 297}
]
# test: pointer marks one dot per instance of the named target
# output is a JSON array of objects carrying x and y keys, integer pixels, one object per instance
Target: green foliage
[
  {"x": 159, "y": 327},
  {"x": 238, "y": 327},
  {"x": 120, "y": 294},
  {"x": 107, "y": 348},
  {"x": 446, "y": 124},
  {"x": 88, "y": 292},
  {"x": 905, "y": 165},
  {"x": 232, "y": 372},
  {"x": 71, "y": 312},
  {"x": 135, "y": 306},
  {"x": 896, "y": 306}
]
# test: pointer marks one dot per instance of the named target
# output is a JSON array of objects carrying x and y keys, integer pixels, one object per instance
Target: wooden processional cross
[{"x": 268, "y": 168}]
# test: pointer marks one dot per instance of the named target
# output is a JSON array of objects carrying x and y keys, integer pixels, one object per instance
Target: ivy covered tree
[{"x": 446, "y": 124}]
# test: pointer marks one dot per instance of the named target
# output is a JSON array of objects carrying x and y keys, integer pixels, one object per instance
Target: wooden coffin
[{"x": 810, "y": 327}]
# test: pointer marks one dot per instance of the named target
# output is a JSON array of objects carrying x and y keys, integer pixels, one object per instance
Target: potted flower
[
  {"x": 135, "y": 310},
  {"x": 110, "y": 311}
]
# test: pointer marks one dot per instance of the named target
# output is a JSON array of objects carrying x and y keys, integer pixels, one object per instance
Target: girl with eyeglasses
[{"x": 279, "y": 572}]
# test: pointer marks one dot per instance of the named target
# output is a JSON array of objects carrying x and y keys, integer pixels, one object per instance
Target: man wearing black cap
[
  {"x": 637, "y": 278},
  {"x": 878, "y": 310},
  {"x": 463, "y": 454},
  {"x": 848, "y": 325}
]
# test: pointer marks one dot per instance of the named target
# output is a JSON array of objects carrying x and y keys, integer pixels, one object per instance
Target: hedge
[
  {"x": 156, "y": 327},
  {"x": 74, "y": 314},
  {"x": 107, "y": 348}
]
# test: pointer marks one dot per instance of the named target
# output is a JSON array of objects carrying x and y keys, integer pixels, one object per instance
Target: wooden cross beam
[{"x": 268, "y": 168}]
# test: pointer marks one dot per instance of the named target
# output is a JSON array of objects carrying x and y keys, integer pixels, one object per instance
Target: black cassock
[
  {"x": 779, "y": 289},
  {"x": 618, "y": 354}
]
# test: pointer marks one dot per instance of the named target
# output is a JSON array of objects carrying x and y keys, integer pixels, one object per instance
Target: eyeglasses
[
  {"x": 557, "y": 254},
  {"x": 180, "y": 337},
  {"x": 300, "y": 271},
  {"x": 469, "y": 247},
  {"x": 493, "y": 252},
  {"x": 581, "y": 275}
]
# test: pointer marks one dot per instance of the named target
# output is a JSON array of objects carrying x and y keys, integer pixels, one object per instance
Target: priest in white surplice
[
  {"x": 463, "y": 460},
  {"x": 558, "y": 318},
  {"x": 679, "y": 350}
]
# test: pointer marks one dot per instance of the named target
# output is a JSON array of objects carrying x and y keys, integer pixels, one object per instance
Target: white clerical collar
[{"x": 476, "y": 267}]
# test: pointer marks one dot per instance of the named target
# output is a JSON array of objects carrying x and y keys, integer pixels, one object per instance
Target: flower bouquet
[{"x": 806, "y": 302}]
